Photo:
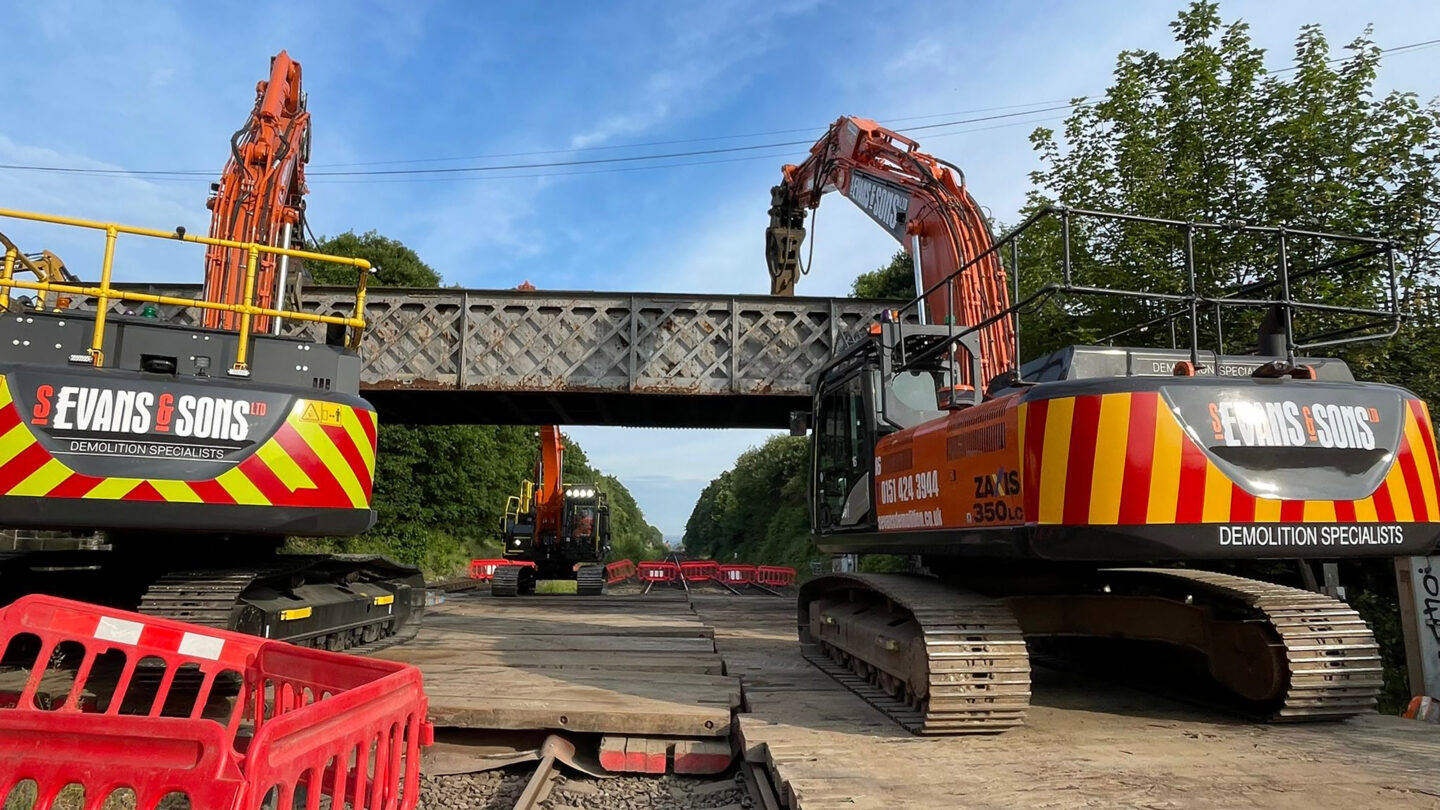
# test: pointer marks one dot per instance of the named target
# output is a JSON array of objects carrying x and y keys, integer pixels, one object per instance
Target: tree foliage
[
  {"x": 895, "y": 281},
  {"x": 440, "y": 490},
  {"x": 393, "y": 264},
  {"x": 756, "y": 511},
  {"x": 1209, "y": 135}
]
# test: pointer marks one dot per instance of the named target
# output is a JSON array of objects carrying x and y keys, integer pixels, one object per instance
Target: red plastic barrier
[
  {"x": 249, "y": 722},
  {"x": 619, "y": 571},
  {"x": 699, "y": 570},
  {"x": 737, "y": 574},
  {"x": 484, "y": 570},
  {"x": 655, "y": 571},
  {"x": 778, "y": 576}
]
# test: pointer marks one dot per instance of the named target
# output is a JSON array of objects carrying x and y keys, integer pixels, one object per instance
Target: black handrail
[{"x": 1190, "y": 301}]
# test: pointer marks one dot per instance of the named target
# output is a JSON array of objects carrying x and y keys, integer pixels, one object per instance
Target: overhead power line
[
  {"x": 1018, "y": 111},
  {"x": 673, "y": 142}
]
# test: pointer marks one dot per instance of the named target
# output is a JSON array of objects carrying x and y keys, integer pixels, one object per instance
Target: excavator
[
  {"x": 1080, "y": 507},
  {"x": 198, "y": 449},
  {"x": 552, "y": 529}
]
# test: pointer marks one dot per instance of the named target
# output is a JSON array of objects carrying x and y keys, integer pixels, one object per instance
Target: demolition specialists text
[{"x": 1312, "y": 536}]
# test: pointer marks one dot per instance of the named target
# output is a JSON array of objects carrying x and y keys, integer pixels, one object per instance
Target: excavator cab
[
  {"x": 860, "y": 398},
  {"x": 587, "y": 519}
]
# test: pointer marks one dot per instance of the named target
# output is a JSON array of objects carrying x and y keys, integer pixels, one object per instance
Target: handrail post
[
  {"x": 1015, "y": 278},
  {"x": 362, "y": 282},
  {"x": 950, "y": 339},
  {"x": 102, "y": 304},
  {"x": 1286, "y": 312},
  {"x": 8, "y": 273},
  {"x": 241, "y": 369},
  {"x": 1194, "y": 300},
  {"x": 1065, "y": 238}
]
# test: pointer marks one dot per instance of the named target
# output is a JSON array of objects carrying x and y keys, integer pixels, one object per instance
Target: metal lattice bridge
[{"x": 449, "y": 356}]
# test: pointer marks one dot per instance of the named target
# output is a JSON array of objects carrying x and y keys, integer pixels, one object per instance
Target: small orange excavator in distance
[
  {"x": 555, "y": 530},
  {"x": 1030, "y": 491}
]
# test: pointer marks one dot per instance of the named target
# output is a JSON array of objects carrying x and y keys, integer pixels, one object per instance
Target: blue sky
[{"x": 153, "y": 85}]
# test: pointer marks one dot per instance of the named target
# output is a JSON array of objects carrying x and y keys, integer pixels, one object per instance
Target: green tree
[
  {"x": 393, "y": 263},
  {"x": 893, "y": 282},
  {"x": 756, "y": 512}
]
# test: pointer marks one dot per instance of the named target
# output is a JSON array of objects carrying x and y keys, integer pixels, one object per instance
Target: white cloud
[
  {"x": 708, "y": 54},
  {"x": 148, "y": 204}
]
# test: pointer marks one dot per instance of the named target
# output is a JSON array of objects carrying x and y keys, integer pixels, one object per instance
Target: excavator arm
[
  {"x": 260, "y": 196},
  {"x": 549, "y": 474},
  {"x": 919, "y": 200}
]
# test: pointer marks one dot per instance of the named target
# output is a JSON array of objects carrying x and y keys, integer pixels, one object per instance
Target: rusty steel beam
[{"x": 508, "y": 356}]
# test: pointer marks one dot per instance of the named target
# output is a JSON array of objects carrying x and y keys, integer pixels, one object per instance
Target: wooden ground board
[{"x": 609, "y": 665}]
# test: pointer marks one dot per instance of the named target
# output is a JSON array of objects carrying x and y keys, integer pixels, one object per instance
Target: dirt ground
[{"x": 1086, "y": 743}]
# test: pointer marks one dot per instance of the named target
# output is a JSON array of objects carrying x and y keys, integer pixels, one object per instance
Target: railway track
[{"x": 553, "y": 750}]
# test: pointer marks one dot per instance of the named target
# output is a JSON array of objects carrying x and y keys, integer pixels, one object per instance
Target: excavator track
[
  {"x": 210, "y": 598},
  {"x": 1332, "y": 658},
  {"x": 512, "y": 580},
  {"x": 957, "y": 666},
  {"x": 327, "y": 610},
  {"x": 590, "y": 580}
]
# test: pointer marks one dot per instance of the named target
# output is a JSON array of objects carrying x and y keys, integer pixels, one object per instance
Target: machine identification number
[
  {"x": 906, "y": 488},
  {"x": 994, "y": 512}
]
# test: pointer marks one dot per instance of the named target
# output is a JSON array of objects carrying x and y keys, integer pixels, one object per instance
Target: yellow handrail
[{"x": 246, "y": 308}]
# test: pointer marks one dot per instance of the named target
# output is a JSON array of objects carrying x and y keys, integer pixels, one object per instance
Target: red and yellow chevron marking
[
  {"x": 305, "y": 464},
  {"x": 1124, "y": 459}
]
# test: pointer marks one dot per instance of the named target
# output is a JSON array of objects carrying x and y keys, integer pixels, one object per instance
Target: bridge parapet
[{"x": 508, "y": 356}]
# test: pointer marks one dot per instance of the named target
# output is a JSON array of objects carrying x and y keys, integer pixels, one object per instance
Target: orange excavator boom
[
  {"x": 922, "y": 202},
  {"x": 260, "y": 197},
  {"x": 549, "y": 474}
]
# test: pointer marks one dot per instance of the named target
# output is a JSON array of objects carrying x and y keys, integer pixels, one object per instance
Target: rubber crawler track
[
  {"x": 209, "y": 598},
  {"x": 590, "y": 580},
  {"x": 978, "y": 672}
]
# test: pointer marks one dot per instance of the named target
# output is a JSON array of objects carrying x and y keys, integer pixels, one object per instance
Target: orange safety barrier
[
  {"x": 655, "y": 571},
  {"x": 619, "y": 571},
  {"x": 737, "y": 574},
  {"x": 776, "y": 575},
  {"x": 699, "y": 570},
  {"x": 137, "y": 709}
]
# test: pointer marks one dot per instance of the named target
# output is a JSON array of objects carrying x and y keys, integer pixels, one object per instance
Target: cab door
[{"x": 843, "y": 450}]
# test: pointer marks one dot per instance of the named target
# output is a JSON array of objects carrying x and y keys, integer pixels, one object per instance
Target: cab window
[{"x": 844, "y": 449}]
